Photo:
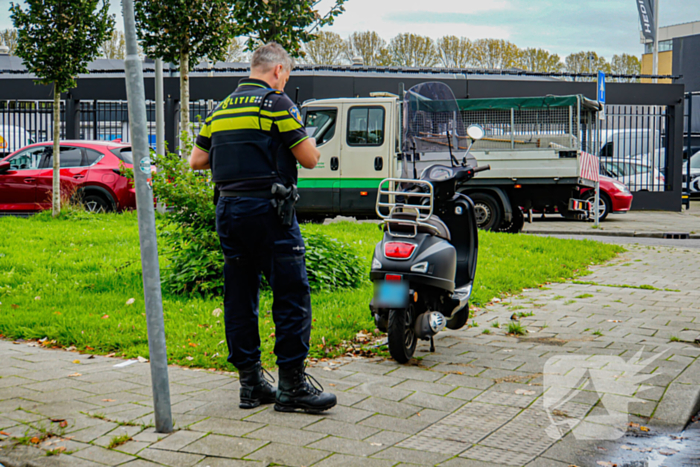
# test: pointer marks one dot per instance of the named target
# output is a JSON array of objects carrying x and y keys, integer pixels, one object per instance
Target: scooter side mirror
[{"x": 476, "y": 132}]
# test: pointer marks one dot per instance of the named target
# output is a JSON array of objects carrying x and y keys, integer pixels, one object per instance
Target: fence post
[
  {"x": 72, "y": 118},
  {"x": 170, "y": 124}
]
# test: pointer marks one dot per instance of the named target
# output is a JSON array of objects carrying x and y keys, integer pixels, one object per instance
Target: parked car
[
  {"x": 634, "y": 173},
  {"x": 13, "y": 138},
  {"x": 614, "y": 197},
  {"x": 694, "y": 174},
  {"x": 90, "y": 172}
]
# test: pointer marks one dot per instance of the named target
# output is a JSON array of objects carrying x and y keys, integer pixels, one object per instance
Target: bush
[{"x": 191, "y": 245}]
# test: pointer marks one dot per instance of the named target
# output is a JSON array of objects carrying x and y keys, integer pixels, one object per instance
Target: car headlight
[{"x": 622, "y": 187}]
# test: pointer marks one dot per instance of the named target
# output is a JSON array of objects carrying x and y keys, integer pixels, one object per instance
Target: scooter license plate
[{"x": 391, "y": 294}]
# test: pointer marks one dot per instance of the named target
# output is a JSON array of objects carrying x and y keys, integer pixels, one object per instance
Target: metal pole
[
  {"x": 147, "y": 225},
  {"x": 160, "y": 115},
  {"x": 655, "y": 69},
  {"x": 597, "y": 183}
]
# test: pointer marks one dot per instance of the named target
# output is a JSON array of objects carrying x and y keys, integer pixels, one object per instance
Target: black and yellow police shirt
[{"x": 250, "y": 146}]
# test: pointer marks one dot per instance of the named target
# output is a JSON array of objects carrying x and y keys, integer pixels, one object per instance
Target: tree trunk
[
  {"x": 56, "y": 197},
  {"x": 184, "y": 102}
]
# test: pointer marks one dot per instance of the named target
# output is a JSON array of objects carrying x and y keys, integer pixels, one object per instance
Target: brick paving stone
[
  {"x": 432, "y": 401},
  {"x": 465, "y": 434},
  {"x": 103, "y": 456},
  {"x": 284, "y": 454},
  {"x": 499, "y": 456},
  {"x": 222, "y": 462},
  {"x": 133, "y": 447},
  {"x": 222, "y": 446},
  {"x": 346, "y": 446},
  {"x": 505, "y": 398},
  {"x": 465, "y": 394},
  {"x": 342, "y": 460},
  {"x": 289, "y": 435},
  {"x": 411, "y": 456},
  {"x": 394, "y": 409},
  {"x": 384, "y": 392},
  {"x": 223, "y": 426},
  {"x": 387, "y": 438},
  {"x": 428, "y": 388},
  {"x": 462, "y": 462},
  {"x": 344, "y": 430},
  {"x": 171, "y": 458},
  {"x": 178, "y": 440},
  {"x": 346, "y": 414},
  {"x": 415, "y": 373},
  {"x": 291, "y": 420},
  {"x": 425, "y": 443},
  {"x": 395, "y": 424}
]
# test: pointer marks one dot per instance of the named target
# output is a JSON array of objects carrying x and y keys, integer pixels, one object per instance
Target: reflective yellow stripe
[
  {"x": 205, "y": 131},
  {"x": 283, "y": 113},
  {"x": 240, "y": 123},
  {"x": 288, "y": 124},
  {"x": 235, "y": 111},
  {"x": 303, "y": 139}
]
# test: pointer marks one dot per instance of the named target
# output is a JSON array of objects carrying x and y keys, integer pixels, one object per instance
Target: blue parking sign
[{"x": 601, "y": 93}]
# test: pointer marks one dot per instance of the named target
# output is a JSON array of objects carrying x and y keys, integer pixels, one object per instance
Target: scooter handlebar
[{"x": 483, "y": 168}]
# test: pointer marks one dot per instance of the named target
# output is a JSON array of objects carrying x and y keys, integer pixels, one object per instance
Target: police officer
[{"x": 252, "y": 142}]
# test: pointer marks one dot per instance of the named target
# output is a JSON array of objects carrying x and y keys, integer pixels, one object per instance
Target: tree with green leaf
[
  {"x": 8, "y": 37},
  {"x": 114, "y": 47},
  {"x": 626, "y": 64},
  {"x": 412, "y": 50},
  {"x": 57, "y": 39},
  {"x": 540, "y": 61},
  {"x": 370, "y": 47},
  {"x": 455, "y": 52},
  {"x": 290, "y": 23},
  {"x": 586, "y": 62},
  {"x": 185, "y": 32},
  {"x": 496, "y": 54}
]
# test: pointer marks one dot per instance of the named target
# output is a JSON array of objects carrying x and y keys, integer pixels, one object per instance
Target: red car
[
  {"x": 614, "y": 196},
  {"x": 90, "y": 170}
]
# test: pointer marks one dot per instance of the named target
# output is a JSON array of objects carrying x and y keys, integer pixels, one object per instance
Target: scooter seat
[{"x": 435, "y": 221}]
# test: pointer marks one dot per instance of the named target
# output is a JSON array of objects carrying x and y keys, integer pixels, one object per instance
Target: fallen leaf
[
  {"x": 189, "y": 358},
  {"x": 633, "y": 425},
  {"x": 63, "y": 424},
  {"x": 331, "y": 384},
  {"x": 5, "y": 433},
  {"x": 130, "y": 301},
  {"x": 643, "y": 428},
  {"x": 192, "y": 344},
  {"x": 107, "y": 400},
  {"x": 667, "y": 452},
  {"x": 87, "y": 347},
  {"x": 625, "y": 447},
  {"x": 76, "y": 361},
  {"x": 141, "y": 359},
  {"x": 217, "y": 312},
  {"x": 60, "y": 449},
  {"x": 614, "y": 321},
  {"x": 105, "y": 317},
  {"x": 110, "y": 354},
  {"x": 15, "y": 306},
  {"x": 606, "y": 464},
  {"x": 327, "y": 369},
  {"x": 34, "y": 440},
  {"x": 37, "y": 298},
  {"x": 376, "y": 444},
  {"x": 525, "y": 392},
  {"x": 73, "y": 375}
]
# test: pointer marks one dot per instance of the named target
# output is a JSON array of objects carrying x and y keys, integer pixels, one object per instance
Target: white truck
[{"x": 535, "y": 147}]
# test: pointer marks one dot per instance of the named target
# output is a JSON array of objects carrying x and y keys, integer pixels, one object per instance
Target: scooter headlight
[{"x": 376, "y": 264}]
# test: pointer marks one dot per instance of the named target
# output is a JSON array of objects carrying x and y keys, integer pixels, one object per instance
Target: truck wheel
[
  {"x": 488, "y": 211},
  {"x": 516, "y": 224},
  {"x": 401, "y": 334},
  {"x": 604, "y": 204},
  {"x": 459, "y": 319}
]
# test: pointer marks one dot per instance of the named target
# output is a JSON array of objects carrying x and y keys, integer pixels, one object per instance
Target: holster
[{"x": 285, "y": 198}]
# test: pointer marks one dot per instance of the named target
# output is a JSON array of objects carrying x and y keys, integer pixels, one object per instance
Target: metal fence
[
  {"x": 23, "y": 123},
  {"x": 632, "y": 146},
  {"x": 691, "y": 150}
]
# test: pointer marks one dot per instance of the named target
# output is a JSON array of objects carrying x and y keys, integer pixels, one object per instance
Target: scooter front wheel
[{"x": 401, "y": 334}]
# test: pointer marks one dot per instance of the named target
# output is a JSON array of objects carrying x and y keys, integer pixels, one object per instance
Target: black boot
[
  {"x": 255, "y": 389},
  {"x": 299, "y": 390}
]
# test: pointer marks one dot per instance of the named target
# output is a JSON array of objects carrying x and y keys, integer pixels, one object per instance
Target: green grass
[
  {"x": 70, "y": 280},
  {"x": 516, "y": 328},
  {"x": 584, "y": 295},
  {"x": 526, "y": 314},
  {"x": 598, "y": 333},
  {"x": 118, "y": 441}
]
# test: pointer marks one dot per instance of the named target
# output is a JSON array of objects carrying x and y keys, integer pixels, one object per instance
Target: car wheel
[
  {"x": 487, "y": 210},
  {"x": 604, "y": 204},
  {"x": 96, "y": 203}
]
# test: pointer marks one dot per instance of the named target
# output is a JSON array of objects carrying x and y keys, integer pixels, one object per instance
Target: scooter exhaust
[{"x": 429, "y": 323}]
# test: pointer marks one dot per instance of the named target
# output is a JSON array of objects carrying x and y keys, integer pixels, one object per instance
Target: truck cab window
[
  {"x": 366, "y": 126},
  {"x": 320, "y": 124}
]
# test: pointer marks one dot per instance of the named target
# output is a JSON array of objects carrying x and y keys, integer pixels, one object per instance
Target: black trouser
[{"x": 254, "y": 242}]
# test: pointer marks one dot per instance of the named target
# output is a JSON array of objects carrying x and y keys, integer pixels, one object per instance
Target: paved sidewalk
[
  {"x": 629, "y": 224},
  {"x": 477, "y": 401}
]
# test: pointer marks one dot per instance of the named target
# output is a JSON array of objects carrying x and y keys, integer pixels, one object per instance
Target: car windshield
[{"x": 124, "y": 154}]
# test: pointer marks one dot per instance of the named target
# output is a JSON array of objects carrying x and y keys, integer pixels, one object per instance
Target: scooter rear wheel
[{"x": 401, "y": 334}]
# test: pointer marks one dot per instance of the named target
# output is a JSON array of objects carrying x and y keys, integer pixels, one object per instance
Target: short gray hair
[{"x": 270, "y": 55}]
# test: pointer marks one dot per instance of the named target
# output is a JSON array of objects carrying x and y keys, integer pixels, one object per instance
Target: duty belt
[{"x": 264, "y": 194}]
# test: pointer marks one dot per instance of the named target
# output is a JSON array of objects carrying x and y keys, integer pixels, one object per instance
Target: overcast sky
[{"x": 606, "y": 26}]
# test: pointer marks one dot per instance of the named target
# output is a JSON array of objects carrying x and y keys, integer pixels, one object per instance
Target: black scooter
[{"x": 423, "y": 269}]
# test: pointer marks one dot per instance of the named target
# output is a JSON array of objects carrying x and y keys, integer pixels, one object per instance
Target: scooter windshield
[{"x": 432, "y": 121}]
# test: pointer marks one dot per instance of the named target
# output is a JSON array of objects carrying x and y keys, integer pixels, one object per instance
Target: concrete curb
[
  {"x": 681, "y": 401},
  {"x": 609, "y": 233}
]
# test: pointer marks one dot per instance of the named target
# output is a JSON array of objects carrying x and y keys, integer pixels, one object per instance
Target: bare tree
[
  {"x": 455, "y": 52},
  {"x": 496, "y": 54},
  {"x": 114, "y": 47},
  {"x": 327, "y": 49},
  {"x": 8, "y": 37},
  {"x": 626, "y": 64},
  {"x": 369, "y": 46},
  {"x": 409, "y": 49},
  {"x": 540, "y": 61}
]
